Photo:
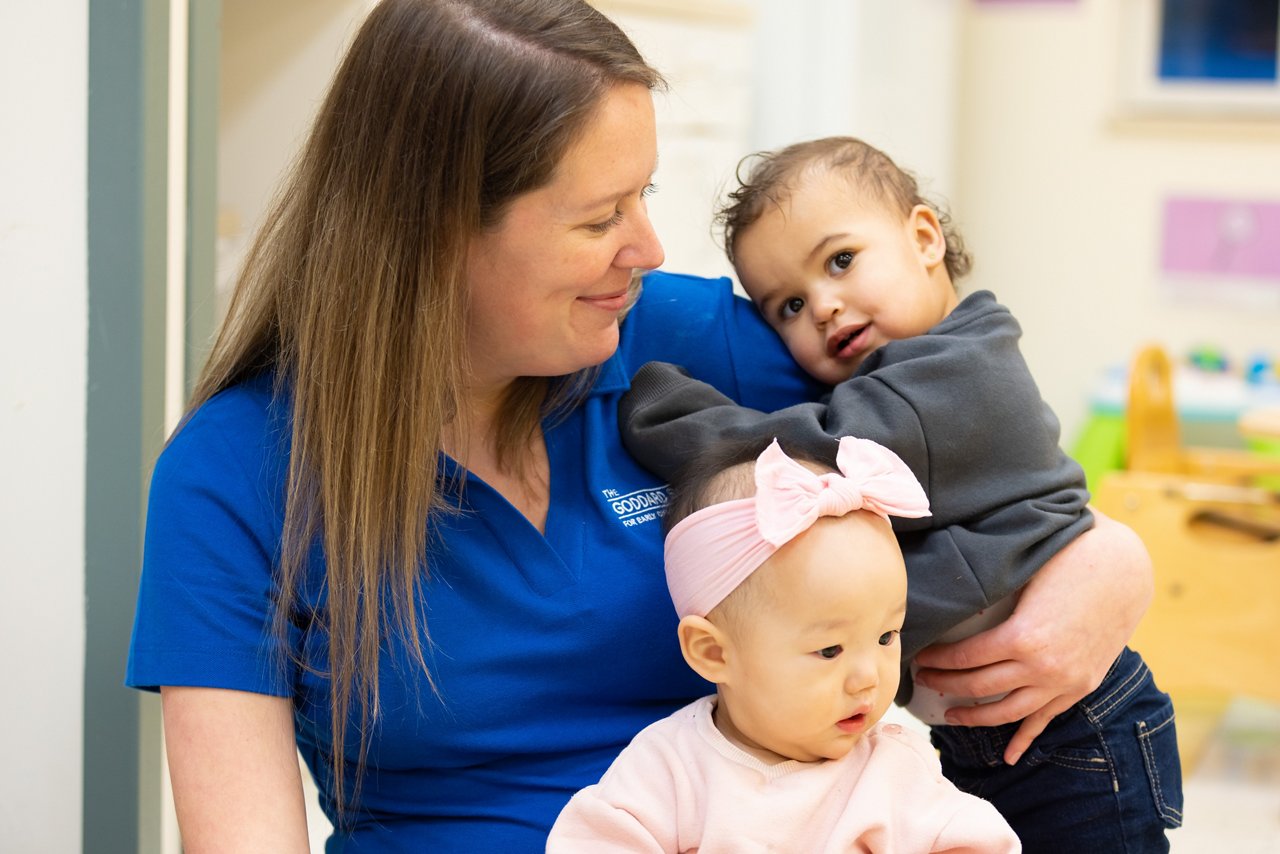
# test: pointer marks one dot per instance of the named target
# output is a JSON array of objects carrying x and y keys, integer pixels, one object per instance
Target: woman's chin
[{"x": 598, "y": 348}]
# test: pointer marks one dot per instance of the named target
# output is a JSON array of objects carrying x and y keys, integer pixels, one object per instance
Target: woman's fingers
[
  {"x": 1032, "y": 726},
  {"x": 1013, "y": 707},
  {"x": 999, "y": 678},
  {"x": 980, "y": 650}
]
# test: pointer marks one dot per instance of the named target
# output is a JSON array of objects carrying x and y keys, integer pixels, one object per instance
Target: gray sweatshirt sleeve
[{"x": 962, "y": 411}]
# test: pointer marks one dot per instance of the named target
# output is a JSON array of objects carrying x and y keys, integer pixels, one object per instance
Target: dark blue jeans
[{"x": 1104, "y": 777}]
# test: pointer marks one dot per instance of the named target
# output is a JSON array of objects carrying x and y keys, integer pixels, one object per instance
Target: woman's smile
[{"x": 612, "y": 303}]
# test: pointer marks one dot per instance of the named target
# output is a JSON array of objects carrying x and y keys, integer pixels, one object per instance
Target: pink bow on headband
[
  {"x": 709, "y": 553},
  {"x": 790, "y": 497}
]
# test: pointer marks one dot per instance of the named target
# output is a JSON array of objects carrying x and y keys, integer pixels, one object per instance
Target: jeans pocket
[
  {"x": 1073, "y": 742},
  {"x": 1091, "y": 759},
  {"x": 1158, "y": 741}
]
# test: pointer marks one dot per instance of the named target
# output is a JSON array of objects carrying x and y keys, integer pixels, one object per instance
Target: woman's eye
[
  {"x": 888, "y": 638},
  {"x": 839, "y": 261},
  {"x": 791, "y": 307},
  {"x": 602, "y": 227},
  {"x": 830, "y": 652},
  {"x": 616, "y": 219}
]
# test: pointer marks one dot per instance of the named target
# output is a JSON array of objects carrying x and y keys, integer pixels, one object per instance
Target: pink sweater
[{"x": 682, "y": 786}]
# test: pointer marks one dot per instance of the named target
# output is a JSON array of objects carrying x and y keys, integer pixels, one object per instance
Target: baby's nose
[
  {"x": 828, "y": 309},
  {"x": 862, "y": 677}
]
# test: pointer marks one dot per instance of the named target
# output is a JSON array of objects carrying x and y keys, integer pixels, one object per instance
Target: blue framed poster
[
  {"x": 1209, "y": 57},
  {"x": 1225, "y": 41}
]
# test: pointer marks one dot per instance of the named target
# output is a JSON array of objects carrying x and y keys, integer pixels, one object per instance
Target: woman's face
[{"x": 546, "y": 284}]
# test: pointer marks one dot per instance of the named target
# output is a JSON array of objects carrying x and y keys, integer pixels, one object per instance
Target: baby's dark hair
[
  {"x": 722, "y": 473},
  {"x": 767, "y": 177}
]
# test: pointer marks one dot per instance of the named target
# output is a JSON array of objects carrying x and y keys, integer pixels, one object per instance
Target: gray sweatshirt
[{"x": 960, "y": 407}]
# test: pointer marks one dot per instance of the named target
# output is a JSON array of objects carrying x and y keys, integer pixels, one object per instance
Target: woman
[{"x": 399, "y": 499}]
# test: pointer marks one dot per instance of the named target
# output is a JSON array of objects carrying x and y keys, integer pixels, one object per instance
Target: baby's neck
[{"x": 724, "y": 722}]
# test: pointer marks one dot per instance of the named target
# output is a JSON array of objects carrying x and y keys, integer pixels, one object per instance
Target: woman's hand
[
  {"x": 1072, "y": 619},
  {"x": 234, "y": 766}
]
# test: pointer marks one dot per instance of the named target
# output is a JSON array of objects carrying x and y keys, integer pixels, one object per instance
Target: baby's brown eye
[
  {"x": 792, "y": 307},
  {"x": 887, "y": 638},
  {"x": 830, "y": 652},
  {"x": 839, "y": 261}
]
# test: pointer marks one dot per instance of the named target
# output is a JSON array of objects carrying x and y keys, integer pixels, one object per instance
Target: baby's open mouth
[
  {"x": 853, "y": 723},
  {"x": 841, "y": 344}
]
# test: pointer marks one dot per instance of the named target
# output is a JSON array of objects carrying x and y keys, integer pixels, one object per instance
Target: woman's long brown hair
[{"x": 353, "y": 296}]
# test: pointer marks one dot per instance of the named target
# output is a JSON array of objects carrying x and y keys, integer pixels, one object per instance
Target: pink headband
[{"x": 710, "y": 552}]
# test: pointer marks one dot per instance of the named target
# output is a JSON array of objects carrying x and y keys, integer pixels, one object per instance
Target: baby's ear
[
  {"x": 929, "y": 236},
  {"x": 703, "y": 644}
]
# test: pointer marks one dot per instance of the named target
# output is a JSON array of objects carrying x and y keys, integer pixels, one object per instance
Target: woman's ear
[
  {"x": 926, "y": 230},
  {"x": 703, "y": 644}
]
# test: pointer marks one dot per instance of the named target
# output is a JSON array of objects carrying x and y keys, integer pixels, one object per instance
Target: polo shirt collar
[{"x": 615, "y": 375}]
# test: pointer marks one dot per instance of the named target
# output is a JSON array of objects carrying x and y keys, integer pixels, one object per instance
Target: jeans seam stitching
[
  {"x": 1125, "y": 688},
  {"x": 1162, "y": 725},
  {"x": 1106, "y": 705},
  {"x": 1165, "y": 809}
]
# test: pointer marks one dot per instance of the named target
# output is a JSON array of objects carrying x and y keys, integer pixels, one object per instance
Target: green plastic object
[{"x": 1100, "y": 447}]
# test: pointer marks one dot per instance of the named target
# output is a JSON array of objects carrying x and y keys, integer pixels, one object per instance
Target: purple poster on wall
[{"x": 1222, "y": 247}]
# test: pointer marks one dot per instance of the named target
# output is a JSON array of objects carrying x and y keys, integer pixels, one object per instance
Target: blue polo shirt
[{"x": 549, "y": 651}]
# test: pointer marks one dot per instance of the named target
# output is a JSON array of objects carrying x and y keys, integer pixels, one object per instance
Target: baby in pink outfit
[{"x": 789, "y": 754}]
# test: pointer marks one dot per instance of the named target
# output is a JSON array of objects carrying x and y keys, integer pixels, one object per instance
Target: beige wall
[
  {"x": 277, "y": 60},
  {"x": 43, "y": 346},
  {"x": 276, "y": 63},
  {"x": 1061, "y": 200}
]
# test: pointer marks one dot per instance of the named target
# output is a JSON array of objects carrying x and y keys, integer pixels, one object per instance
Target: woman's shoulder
[
  {"x": 717, "y": 336},
  {"x": 238, "y": 429},
  {"x": 682, "y": 300},
  {"x": 245, "y": 406},
  {"x": 680, "y": 319}
]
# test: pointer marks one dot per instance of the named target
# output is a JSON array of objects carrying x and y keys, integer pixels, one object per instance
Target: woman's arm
[
  {"x": 1072, "y": 620},
  {"x": 234, "y": 766}
]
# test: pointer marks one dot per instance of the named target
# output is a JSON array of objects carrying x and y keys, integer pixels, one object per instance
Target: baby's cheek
[
  {"x": 808, "y": 356},
  {"x": 889, "y": 684}
]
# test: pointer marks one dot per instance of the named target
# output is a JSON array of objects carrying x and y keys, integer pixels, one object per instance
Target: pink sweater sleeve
[
  {"x": 977, "y": 828},
  {"x": 636, "y": 806},
  {"x": 963, "y": 823},
  {"x": 589, "y": 823}
]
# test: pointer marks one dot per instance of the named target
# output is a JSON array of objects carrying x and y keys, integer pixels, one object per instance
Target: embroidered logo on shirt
[{"x": 636, "y": 508}]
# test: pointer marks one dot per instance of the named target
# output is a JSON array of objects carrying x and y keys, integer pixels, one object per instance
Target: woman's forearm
[{"x": 234, "y": 766}]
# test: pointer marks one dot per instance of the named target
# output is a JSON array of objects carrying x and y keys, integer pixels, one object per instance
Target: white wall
[
  {"x": 1061, "y": 201},
  {"x": 880, "y": 71},
  {"x": 749, "y": 75},
  {"x": 277, "y": 61},
  {"x": 43, "y": 322}
]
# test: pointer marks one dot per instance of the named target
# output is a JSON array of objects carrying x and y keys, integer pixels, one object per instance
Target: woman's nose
[{"x": 643, "y": 250}]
